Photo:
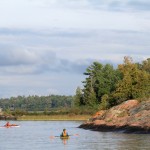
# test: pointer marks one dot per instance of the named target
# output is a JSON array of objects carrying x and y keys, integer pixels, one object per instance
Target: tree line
[
  {"x": 36, "y": 103},
  {"x": 105, "y": 86}
]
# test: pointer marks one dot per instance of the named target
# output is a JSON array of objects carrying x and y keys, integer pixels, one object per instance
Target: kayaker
[
  {"x": 7, "y": 124},
  {"x": 64, "y": 133}
]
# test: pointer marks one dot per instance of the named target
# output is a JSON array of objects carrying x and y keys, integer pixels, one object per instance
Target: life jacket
[
  {"x": 64, "y": 134},
  {"x": 7, "y": 124}
]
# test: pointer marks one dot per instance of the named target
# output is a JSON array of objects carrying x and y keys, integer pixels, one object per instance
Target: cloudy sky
[{"x": 46, "y": 45}]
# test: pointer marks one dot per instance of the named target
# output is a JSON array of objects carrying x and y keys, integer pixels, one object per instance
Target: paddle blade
[
  {"x": 52, "y": 137},
  {"x": 76, "y": 134}
]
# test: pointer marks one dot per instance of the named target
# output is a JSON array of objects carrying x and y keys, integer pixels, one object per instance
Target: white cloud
[
  {"x": 26, "y": 14},
  {"x": 45, "y": 45}
]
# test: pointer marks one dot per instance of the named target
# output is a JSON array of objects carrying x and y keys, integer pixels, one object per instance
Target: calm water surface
[{"x": 35, "y": 135}]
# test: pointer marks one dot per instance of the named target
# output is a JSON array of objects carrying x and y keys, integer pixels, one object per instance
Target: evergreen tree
[
  {"x": 101, "y": 80},
  {"x": 89, "y": 93},
  {"x": 78, "y": 97}
]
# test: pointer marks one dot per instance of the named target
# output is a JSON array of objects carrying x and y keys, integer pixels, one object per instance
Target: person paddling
[
  {"x": 7, "y": 124},
  {"x": 64, "y": 133}
]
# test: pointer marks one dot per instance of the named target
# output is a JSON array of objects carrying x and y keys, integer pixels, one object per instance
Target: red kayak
[{"x": 9, "y": 126}]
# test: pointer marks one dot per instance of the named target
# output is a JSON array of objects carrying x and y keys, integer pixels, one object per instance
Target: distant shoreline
[{"x": 53, "y": 118}]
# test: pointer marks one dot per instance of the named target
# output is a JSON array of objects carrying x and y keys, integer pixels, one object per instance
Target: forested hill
[{"x": 36, "y": 103}]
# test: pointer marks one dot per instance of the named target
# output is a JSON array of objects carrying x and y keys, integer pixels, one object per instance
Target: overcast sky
[{"x": 46, "y": 45}]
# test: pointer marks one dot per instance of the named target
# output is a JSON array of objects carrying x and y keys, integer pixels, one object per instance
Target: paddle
[
  {"x": 74, "y": 135},
  {"x": 52, "y": 137}
]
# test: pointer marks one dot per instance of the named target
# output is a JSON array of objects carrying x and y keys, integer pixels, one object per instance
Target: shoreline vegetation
[
  {"x": 53, "y": 118},
  {"x": 64, "y": 114}
]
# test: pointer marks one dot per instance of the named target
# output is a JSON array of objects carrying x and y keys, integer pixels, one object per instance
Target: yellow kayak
[{"x": 64, "y": 137}]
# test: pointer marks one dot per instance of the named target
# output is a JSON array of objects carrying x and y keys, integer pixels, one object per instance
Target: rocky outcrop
[{"x": 129, "y": 117}]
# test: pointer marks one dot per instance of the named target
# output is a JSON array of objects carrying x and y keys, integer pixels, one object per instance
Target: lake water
[{"x": 35, "y": 135}]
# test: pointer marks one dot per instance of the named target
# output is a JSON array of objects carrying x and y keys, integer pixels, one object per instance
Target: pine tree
[{"x": 78, "y": 97}]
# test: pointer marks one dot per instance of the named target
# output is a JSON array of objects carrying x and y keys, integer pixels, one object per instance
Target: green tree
[
  {"x": 146, "y": 65},
  {"x": 101, "y": 80},
  {"x": 134, "y": 84},
  {"x": 89, "y": 93},
  {"x": 106, "y": 81},
  {"x": 104, "y": 102},
  {"x": 78, "y": 99}
]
